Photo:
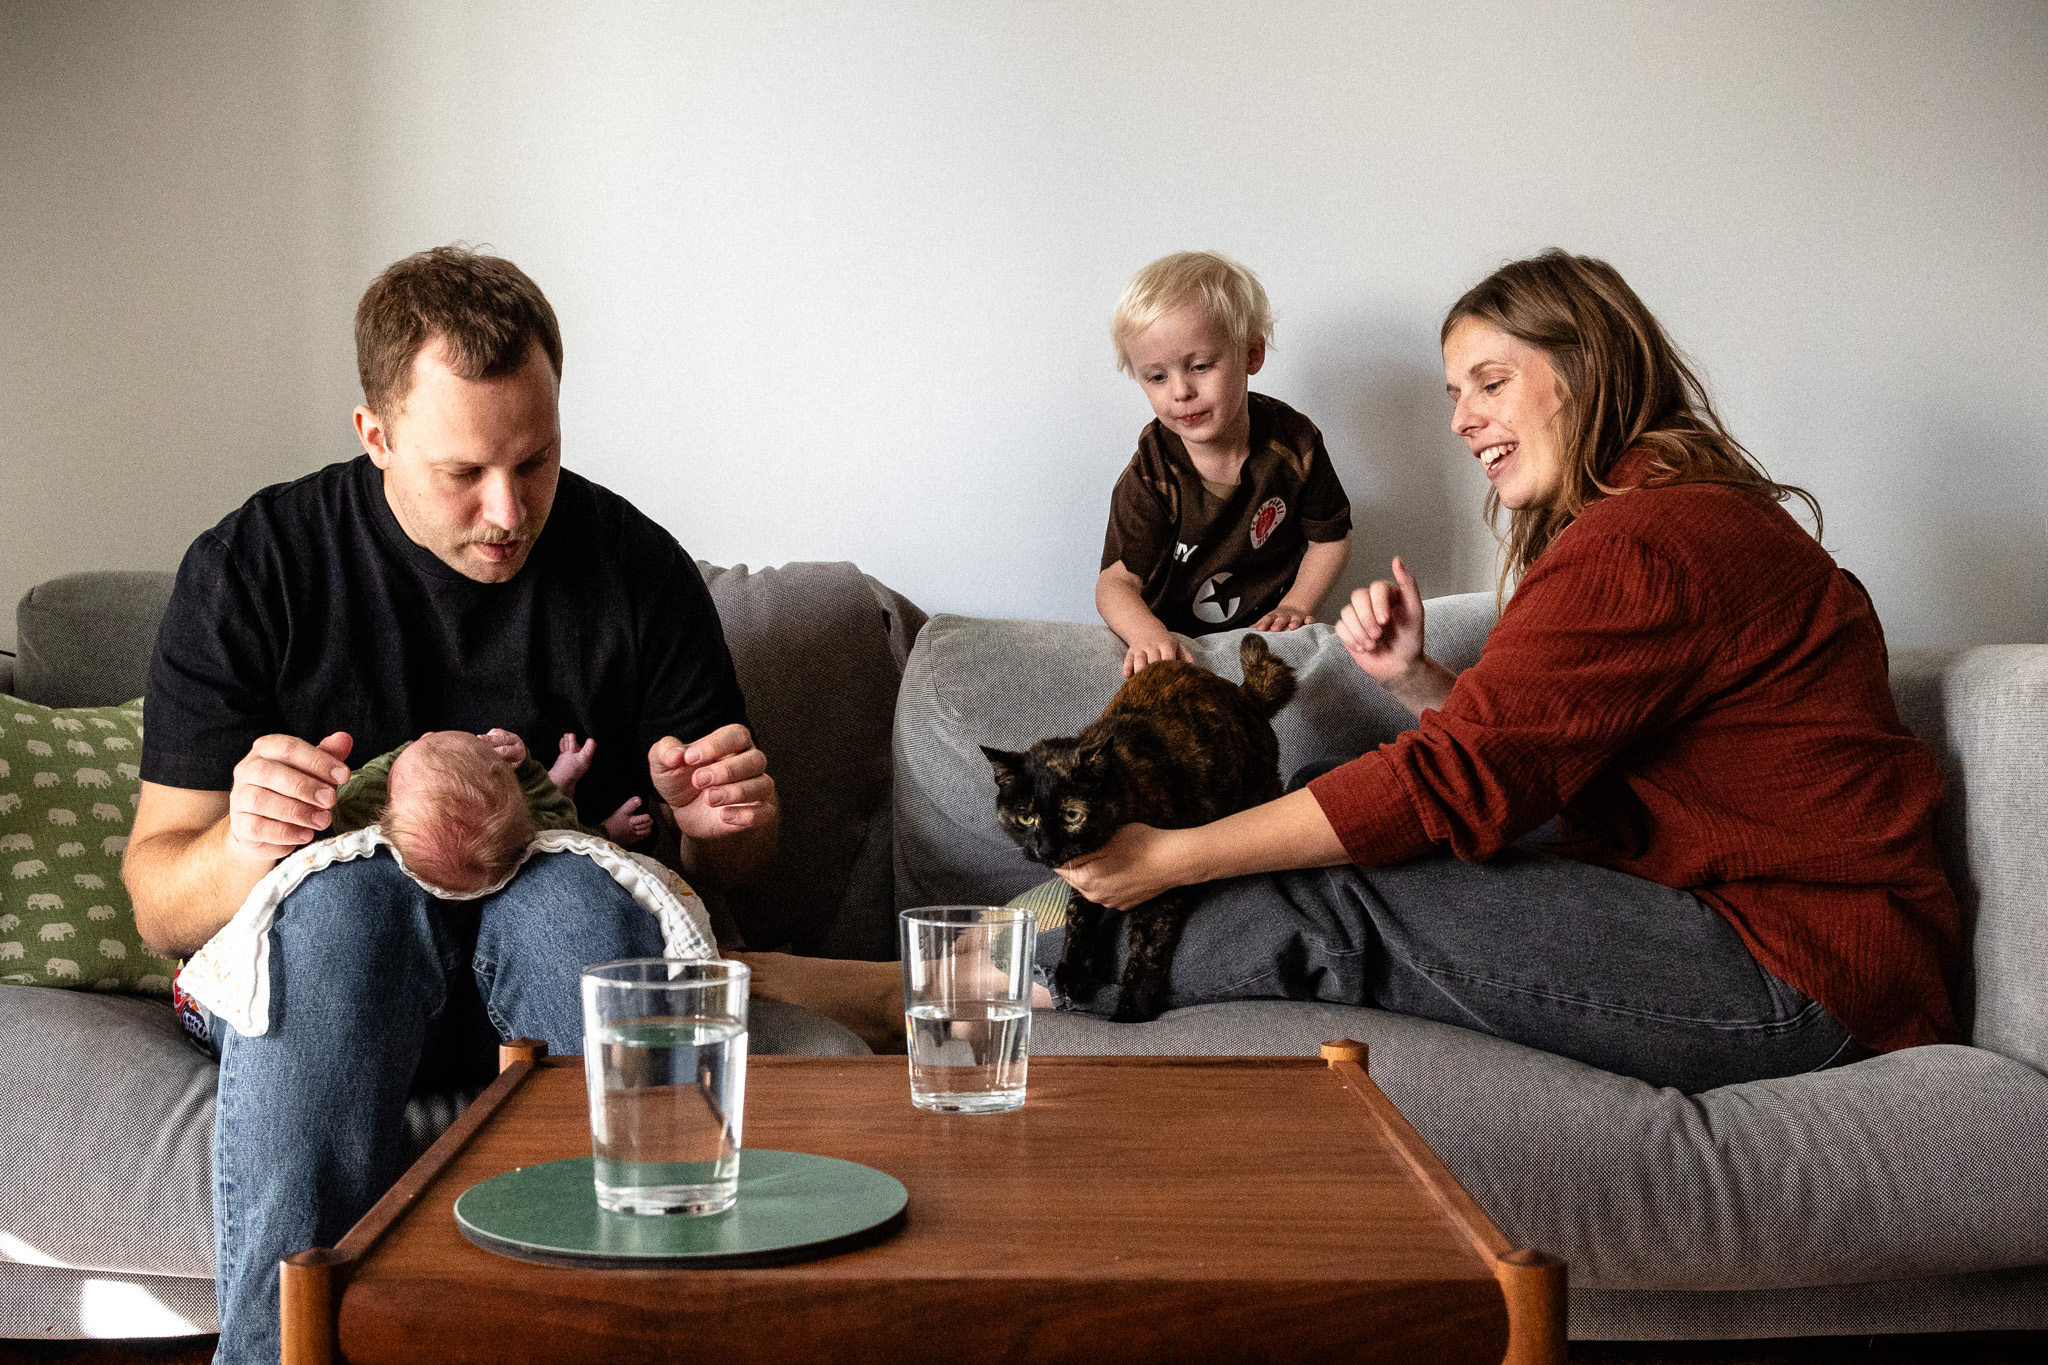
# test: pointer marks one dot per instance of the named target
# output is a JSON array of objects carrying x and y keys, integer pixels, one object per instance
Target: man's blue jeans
[{"x": 365, "y": 992}]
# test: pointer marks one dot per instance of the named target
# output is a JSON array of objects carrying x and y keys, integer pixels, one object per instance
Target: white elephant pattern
[{"x": 47, "y": 919}]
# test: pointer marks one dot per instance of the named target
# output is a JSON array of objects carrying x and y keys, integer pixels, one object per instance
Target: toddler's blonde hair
[{"x": 1220, "y": 287}]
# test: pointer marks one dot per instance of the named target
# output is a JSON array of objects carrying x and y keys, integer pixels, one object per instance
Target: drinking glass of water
[
  {"x": 967, "y": 1006},
  {"x": 665, "y": 1059}
]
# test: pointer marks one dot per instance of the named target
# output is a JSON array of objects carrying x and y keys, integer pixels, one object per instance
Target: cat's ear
[
  {"x": 1091, "y": 755},
  {"x": 1009, "y": 767}
]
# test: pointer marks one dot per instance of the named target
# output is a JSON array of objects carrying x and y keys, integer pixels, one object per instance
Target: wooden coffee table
[{"x": 1135, "y": 1209}]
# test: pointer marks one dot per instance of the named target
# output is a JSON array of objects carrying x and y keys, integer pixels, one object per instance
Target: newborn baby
[{"x": 461, "y": 808}]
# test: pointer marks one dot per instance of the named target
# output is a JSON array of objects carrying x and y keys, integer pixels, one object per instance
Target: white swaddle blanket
[{"x": 231, "y": 974}]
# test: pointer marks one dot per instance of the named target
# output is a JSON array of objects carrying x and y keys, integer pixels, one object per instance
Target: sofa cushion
[
  {"x": 106, "y": 1131},
  {"x": 1922, "y": 1162},
  {"x": 85, "y": 639},
  {"x": 971, "y": 682},
  {"x": 68, "y": 786}
]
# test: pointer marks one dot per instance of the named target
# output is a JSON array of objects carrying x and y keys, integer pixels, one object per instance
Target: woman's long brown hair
[{"x": 1624, "y": 387}]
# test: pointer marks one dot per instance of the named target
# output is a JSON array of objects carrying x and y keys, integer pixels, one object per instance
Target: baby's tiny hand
[
  {"x": 505, "y": 745},
  {"x": 572, "y": 763}
]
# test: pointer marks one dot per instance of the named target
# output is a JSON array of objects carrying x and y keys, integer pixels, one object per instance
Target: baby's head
[
  {"x": 1212, "y": 288},
  {"x": 455, "y": 813}
]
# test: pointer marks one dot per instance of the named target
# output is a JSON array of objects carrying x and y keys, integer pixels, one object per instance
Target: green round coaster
[{"x": 792, "y": 1207}]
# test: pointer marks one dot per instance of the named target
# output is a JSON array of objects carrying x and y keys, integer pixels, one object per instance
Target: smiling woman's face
[{"x": 1507, "y": 405}]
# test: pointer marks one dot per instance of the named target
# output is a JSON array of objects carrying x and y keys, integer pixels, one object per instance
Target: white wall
[{"x": 835, "y": 278}]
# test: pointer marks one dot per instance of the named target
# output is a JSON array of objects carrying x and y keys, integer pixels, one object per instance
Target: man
[{"x": 454, "y": 577}]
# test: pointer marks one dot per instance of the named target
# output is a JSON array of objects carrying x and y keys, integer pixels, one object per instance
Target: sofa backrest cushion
[
  {"x": 1984, "y": 712},
  {"x": 819, "y": 649},
  {"x": 1009, "y": 683},
  {"x": 85, "y": 639}
]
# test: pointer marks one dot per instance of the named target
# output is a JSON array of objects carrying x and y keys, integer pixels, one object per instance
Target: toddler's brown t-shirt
[{"x": 1214, "y": 557}]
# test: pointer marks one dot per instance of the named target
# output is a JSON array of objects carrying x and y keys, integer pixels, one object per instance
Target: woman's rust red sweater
[{"x": 1699, "y": 694}]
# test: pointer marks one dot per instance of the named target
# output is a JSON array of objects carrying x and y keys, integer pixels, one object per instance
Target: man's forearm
[
  {"x": 720, "y": 864},
  {"x": 185, "y": 885}
]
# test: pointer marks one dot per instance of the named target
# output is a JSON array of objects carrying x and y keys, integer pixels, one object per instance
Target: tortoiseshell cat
[{"x": 1178, "y": 746}]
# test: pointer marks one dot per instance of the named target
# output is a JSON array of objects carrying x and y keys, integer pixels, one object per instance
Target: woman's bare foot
[{"x": 866, "y": 997}]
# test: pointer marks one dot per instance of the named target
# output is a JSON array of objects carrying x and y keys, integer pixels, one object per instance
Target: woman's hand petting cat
[
  {"x": 1381, "y": 628},
  {"x": 1138, "y": 863},
  {"x": 1154, "y": 650}
]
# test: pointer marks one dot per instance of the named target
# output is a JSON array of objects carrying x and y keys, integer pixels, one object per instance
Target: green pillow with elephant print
[{"x": 69, "y": 781}]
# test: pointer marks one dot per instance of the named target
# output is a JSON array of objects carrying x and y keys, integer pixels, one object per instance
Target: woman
[{"x": 1669, "y": 824}]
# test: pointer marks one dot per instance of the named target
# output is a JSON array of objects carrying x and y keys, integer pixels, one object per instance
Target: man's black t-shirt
[{"x": 309, "y": 610}]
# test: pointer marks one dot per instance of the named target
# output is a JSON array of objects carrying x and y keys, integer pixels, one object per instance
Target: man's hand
[
  {"x": 1135, "y": 865},
  {"x": 716, "y": 786},
  {"x": 284, "y": 795},
  {"x": 1159, "y": 649},
  {"x": 1284, "y": 617}
]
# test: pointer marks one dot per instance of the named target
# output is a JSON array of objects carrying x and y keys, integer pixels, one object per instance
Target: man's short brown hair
[{"x": 484, "y": 310}]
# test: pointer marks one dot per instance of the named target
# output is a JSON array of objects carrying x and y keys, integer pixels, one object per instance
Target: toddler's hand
[
  {"x": 505, "y": 745},
  {"x": 571, "y": 764},
  {"x": 1165, "y": 649},
  {"x": 1283, "y": 617}
]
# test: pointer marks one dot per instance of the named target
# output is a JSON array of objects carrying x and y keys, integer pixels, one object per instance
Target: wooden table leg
[
  {"x": 520, "y": 1050},
  {"x": 1532, "y": 1282},
  {"x": 308, "y": 1303}
]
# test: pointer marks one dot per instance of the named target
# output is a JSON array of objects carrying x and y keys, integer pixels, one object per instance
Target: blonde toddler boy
[{"x": 1230, "y": 514}]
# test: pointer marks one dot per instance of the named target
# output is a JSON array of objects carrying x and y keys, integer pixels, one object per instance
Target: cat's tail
[{"x": 1268, "y": 683}]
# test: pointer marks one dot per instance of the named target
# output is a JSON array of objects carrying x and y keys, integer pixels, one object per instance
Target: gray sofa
[{"x": 1906, "y": 1193}]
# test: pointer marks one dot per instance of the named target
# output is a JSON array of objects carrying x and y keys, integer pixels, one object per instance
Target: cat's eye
[
  {"x": 1076, "y": 816},
  {"x": 1028, "y": 821}
]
